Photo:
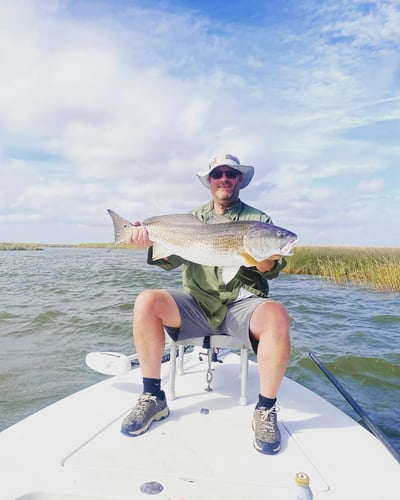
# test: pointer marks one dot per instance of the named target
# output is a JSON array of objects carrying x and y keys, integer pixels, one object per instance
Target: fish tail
[{"x": 122, "y": 227}]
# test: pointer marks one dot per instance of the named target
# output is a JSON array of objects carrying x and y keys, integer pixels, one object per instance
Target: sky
[{"x": 117, "y": 105}]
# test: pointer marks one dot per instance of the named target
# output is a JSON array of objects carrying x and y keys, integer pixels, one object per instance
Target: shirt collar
[{"x": 231, "y": 212}]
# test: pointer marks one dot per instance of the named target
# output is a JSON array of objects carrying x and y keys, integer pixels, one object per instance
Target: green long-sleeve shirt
[{"x": 205, "y": 283}]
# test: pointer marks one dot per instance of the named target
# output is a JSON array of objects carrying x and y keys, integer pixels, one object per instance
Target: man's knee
[
  {"x": 274, "y": 311},
  {"x": 270, "y": 317},
  {"x": 150, "y": 299},
  {"x": 279, "y": 312},
  {"x": 157, "y": 304}
]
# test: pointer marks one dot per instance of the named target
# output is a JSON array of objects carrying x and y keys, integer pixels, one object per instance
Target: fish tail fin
[{"x": 122, "y": 227}]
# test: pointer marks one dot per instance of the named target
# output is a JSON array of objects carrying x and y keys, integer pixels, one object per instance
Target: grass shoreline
[{"x": 372, "y": 267}]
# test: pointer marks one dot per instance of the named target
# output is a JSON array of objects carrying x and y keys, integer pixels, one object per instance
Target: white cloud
[
  {"x": 102, "y": 108},
  {"x": 371, "y": 185},
  {"x": 378, "y": 25}
]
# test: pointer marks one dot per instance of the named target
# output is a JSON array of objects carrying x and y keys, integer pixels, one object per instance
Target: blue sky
[{"x": 117, "y": 104}]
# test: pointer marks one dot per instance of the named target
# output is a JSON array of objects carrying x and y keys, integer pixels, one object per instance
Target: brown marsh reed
[
  {"x": 20, "y": 246},
  {"x": 376, "y": 268}
]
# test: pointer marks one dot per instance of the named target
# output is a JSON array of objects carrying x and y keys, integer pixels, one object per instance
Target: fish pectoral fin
[
  {"x": 251, "y": 261},
  {"x": 160, "y": 252},
  {"x": 228, "y": 273}
]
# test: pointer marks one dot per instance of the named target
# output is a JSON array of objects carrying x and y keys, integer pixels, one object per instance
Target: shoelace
[
  {"x": 268, "y": 419},
  {"x": 143, "y": 403}
]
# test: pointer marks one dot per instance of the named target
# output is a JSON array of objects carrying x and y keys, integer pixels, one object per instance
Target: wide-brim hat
[{"x": 229, "y": 160}]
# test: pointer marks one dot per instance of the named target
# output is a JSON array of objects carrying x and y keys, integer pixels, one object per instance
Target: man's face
[{"x": 225, "y": 185}]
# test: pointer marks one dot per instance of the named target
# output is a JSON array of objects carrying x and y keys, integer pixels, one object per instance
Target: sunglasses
[{"x": 229, "y": 174}]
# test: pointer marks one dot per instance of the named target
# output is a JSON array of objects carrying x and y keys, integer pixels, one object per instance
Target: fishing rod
[{"x": 356, "y": 407}]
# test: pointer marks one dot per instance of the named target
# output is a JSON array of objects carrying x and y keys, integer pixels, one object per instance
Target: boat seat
[{"x": 177, "y": 350}]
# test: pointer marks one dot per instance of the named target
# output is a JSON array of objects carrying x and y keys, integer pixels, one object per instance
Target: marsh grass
[
  {"x": 377, "y": 268},
  {"x": 120, "y": 246},
  {"x": 40, "y": 246},
  {"x": 20, "y": 246}
]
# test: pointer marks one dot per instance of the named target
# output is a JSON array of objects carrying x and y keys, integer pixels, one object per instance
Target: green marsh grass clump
[{"x": 377, "y": 268}]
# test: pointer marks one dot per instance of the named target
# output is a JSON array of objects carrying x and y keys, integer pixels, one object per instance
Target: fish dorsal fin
[
  {"x": 251, "y": 261},
  {"x": 218, "y": 219},
  {"x": 176, "y": 219}
]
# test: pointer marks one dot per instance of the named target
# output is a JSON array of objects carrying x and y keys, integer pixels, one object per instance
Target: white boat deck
[{"x": 74, "y": 448}]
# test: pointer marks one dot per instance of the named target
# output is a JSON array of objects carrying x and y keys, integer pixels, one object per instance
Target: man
[{"x": 209, "y": 306}]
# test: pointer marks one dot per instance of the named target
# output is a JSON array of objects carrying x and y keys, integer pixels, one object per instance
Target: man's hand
[
  {"x": 268, "y": 264},
  {"x": 140, "y": 237}
]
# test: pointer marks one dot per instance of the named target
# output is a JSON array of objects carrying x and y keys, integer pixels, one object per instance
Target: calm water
[{"x": 57, "y": 305}]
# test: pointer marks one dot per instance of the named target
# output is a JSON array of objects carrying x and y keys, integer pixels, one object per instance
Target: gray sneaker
[
  {"x": 267, "y": 438},
  {"x": 148, "y": 409}
]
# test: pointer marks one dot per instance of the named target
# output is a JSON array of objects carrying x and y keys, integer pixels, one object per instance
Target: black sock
[
  {"x": 264, "y": 402},
  {"x": 153, "y": 385}
]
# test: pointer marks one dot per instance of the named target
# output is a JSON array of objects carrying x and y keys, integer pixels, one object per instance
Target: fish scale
[{"x": 202, "y": 236}]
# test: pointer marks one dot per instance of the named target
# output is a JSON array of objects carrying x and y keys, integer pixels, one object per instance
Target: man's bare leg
[
  {"x": 270, "y": 326},
  {"x": 153, "y": 309}
]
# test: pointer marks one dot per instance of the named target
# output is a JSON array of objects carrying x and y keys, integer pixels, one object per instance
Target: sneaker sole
[
  {"x": 271, "y": 451},
  {"x": 161, "y": 415}
]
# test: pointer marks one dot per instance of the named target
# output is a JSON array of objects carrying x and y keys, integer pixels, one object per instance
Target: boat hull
[{"x": 203, "y": 450}]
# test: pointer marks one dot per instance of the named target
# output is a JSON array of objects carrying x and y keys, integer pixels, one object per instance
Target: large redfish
[{"x": 229, "y": 244}]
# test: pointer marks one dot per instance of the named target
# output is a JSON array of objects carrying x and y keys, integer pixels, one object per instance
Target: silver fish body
[{"x": 229, "y": 244}]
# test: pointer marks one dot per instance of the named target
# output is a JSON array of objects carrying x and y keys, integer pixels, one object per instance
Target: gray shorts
[{"x": 195, "y": 324}]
